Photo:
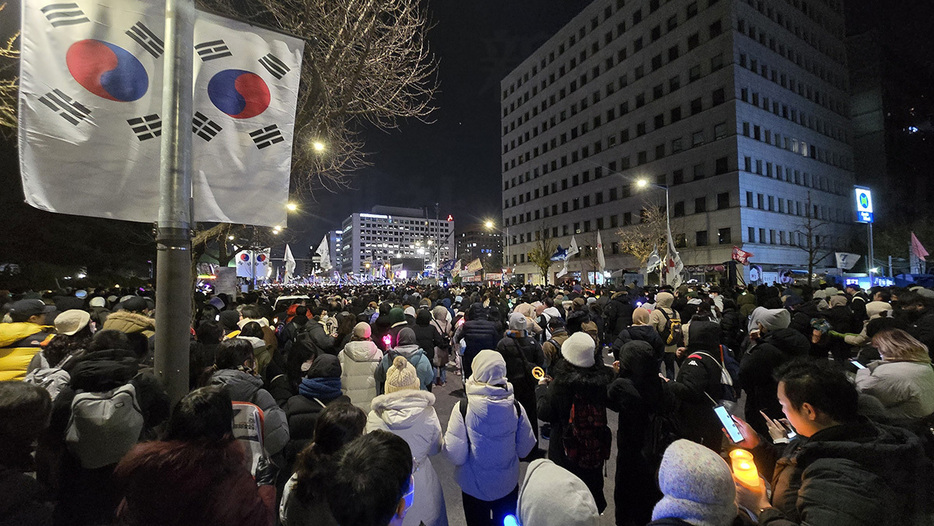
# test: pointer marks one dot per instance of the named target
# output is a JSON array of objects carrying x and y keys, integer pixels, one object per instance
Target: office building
[
  {"x": 739, "y": 108},
  {"x": 479, "y": 241},
  {"x": 394, "y": 236}
]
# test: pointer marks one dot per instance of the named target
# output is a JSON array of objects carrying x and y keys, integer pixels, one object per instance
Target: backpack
[
  {"x": 52, "y": 379},
  {"x": 727, "y": 391},
  {"x": 587, "y": 438},
  {"x": 463, "y": 410},
  {"x": 104, "y": 426},
  {"x": 662, "y": 431},
  {"x": 380, "y": 373},
  {"x": 249, "y": 429},
  {"x": 673, "y": 333}
]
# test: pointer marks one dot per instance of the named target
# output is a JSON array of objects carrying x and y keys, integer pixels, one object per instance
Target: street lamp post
[{"x": 645, "y": 183}]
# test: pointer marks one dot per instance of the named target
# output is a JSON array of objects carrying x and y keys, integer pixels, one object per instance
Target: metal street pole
[{"x": 173, "y": 236}]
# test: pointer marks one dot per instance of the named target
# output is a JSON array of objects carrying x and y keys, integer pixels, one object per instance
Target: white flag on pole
[
  {"x": 563, "y": 271},
  {"x": 654, "y": 260},
  {"x": 846, "y": 260},
  {"x": 90, "y": 103},
  {"x": 601, "y": 259},
  {"x": 289, "y": 263},
  {"x": 675, "y": 266},
  {"x": 572, "y": 248},
  {"x": 324, "y": 254}
]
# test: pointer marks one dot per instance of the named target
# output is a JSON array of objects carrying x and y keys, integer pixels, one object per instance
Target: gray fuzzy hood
[{"x": 241, "y": 386}]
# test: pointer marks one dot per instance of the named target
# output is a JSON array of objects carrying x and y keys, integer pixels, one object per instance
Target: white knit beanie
[
  {"x": 697, "y": 485},
  {"x": 578, "y": 349},
  {"x": 401, "y": 375}
]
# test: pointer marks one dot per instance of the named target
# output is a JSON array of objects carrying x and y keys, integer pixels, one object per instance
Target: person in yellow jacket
[{"x": 19, "y": 340}]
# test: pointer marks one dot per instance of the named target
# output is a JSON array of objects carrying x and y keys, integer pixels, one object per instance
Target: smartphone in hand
[{"x": 727, "y": 421}]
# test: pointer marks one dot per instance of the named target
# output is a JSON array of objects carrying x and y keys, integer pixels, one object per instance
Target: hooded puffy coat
[
  {"x": 487, "y": 465},
  {"x": 906, "y": 389},
  {"x": 663, "y": 302},
  {"x": 411, "y": 415},
  {"x": 359, "y": 360},
  {"x": 244, "y": 387},
  {"x": 19, "y": 342}
]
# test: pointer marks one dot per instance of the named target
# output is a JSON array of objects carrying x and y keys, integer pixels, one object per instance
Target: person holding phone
[
  {"x": 841, "y": 468},
  {"x": 698, "y": 385}
]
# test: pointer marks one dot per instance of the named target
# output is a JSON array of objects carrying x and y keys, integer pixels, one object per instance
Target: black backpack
[
  {"x": 673, "y": 333},
  {"x": 587, "y": 437}
]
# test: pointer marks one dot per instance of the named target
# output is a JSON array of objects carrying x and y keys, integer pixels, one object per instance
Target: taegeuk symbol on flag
[{"x": 90, "y": 104}]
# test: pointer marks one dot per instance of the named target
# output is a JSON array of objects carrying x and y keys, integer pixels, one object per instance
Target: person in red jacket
[{"x": 197, "y": 474}]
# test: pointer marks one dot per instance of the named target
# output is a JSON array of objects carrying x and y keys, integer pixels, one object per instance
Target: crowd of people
[{"x": 324, "y": 413}]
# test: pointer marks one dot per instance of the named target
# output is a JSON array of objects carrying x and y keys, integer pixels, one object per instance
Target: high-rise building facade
[
  {"x": 392, "y": 236},
  {"x": 737, "y": 109},
  {"x": 479, "y": 241}
]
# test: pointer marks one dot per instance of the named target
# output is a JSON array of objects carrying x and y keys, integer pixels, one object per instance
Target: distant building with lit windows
[
  {"x": 478, "y": 241},
  {"x": 738, "y": 107},
  {"x": 394, "y": 236}
]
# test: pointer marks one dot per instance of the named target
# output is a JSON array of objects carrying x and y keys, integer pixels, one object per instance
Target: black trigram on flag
[
  {"x": 146, "y": 127},
  {"x": 204, "y": 127},
  {"x": 68, "y": 109},
  {"x": 64, "y": 14},
  {"x": 267, "y": 136},
  {"x": 147, "y": 39},
  {"x": 274, "y": 66},
  {"x": 212, "y": 50}
]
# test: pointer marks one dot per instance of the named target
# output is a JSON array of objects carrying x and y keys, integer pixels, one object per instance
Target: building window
[
  {"x": 724, "y": 237},
  {"x": 697, "y": 138},
  {"x": 719, "y": 96},
  {"x": 751, "y": 234},
  {"x": 696, "y": 106},
  {"x": 674, "y": 83},
  {"x": 676, "y": 145},
  {"x": 701, "y": 238},
  {"x": 677, "y": 177},
  {"x": 719, "y": 131},
  {"x": 693, "y": 41},
  {"x": 676, "y": 114},
  {"x": 700, "y": 205},
  {"x": 749, "y": 200},
  {"x": 699, "y": 171},
  {"x": 694, "y": 73},
  {"x": 678, "y": 210},
  {"x": 723, "y": 200},
  {"x": 716, "y": 28},
  {"x": 627, "y": 218},
  {"x": 681, "y": 240},
  {"x": 721, "y": 165}
]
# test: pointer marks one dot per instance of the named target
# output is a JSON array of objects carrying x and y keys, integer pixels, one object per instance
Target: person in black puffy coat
[{"x": 478, "y": 332}]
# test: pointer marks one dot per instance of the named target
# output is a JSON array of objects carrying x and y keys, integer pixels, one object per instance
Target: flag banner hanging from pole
[
  {"x": 324, "y": 253},
  {"x": 289, "y": 263},
  {"x": 90, "y": 103},
  {"x": 741, "y": 256},
  {"x": 654, "y": 260},
  {"x": 846, "y": 260},
  {"x": 572, "y": 248},
  {"x": 601, "y": 258}
]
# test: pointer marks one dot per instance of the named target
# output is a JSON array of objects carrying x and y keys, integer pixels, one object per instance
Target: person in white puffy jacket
[
  {"x": 359, "y": 360},
  {"x": 904, "y": 379},
  {"x": 409, "y": 412},
  {"x": 486, "y": 441}
]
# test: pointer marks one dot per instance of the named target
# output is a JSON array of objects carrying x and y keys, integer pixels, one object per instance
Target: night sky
[{"x": 455, "y": 161}]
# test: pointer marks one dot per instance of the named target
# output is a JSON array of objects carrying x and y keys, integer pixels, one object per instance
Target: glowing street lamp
[
  {"x": 318, "y": 146},
  {"x": 291, "y": 207}
]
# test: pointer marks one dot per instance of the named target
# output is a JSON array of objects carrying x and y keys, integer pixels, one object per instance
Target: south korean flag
[
  {"x": 245, "y": 93},
  {"x": 89, "y": 107}
]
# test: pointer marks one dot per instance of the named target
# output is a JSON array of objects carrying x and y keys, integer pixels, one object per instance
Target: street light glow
[
  {"x": 318, "y": 146},
  {"x": 642, "y": 183},
  {"x": 488, "y": 224},
  {"x": 291, "y": 207}
]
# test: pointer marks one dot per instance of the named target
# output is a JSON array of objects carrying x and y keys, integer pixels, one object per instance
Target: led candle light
[{"x": 744, "y": 469}]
